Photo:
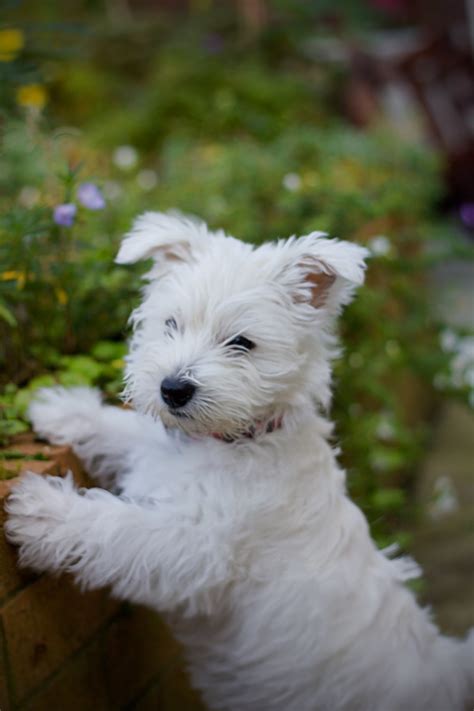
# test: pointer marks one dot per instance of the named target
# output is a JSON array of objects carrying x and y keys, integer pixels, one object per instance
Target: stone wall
[{"x": 61, "y": 649}]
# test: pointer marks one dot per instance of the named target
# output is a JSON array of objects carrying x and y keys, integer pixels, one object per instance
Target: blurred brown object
[
  {"x": 441, "y": 75},
  {"x": 428, "y": 68},
  {"x": 253, "y": 15}
]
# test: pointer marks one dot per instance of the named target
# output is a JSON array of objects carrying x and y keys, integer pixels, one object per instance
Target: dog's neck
[{"x": 256, "y": 430}]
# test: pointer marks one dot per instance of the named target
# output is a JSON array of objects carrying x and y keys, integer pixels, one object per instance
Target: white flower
[
  {"x": 469, "y": 377},
  {"x": 147, "y": 179},
  {"x": 385, "y": 429},
  {"x": 125, "y": 157},
  {"x": 392, "y": 348},
  {"x": 448, "y": 340},
  {"x": 292, "y": 181},
  {"x": 445, "y": 498},
  {"x": 112, "y": 190},
  {"x": 380, "y": 245},
  {"x": 462, "y": 364},
  {"x": 356, "y": 360},
  {"x": 28, "y": 196}
]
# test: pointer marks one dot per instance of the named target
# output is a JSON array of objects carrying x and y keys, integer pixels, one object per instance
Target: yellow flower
[
  {"x": 211, "y": 152},
  {"x": 32, "y": 96},
  {"x": 19, "y": 277},
  {"x": 311, "y": 179},
  {"x": 11, "y": 42},
  {"x": 61, "y": 296}
]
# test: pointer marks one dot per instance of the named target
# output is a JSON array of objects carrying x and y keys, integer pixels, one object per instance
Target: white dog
[{"x": 230, "y": 511}]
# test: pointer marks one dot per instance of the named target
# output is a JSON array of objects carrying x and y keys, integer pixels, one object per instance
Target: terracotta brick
[
  {"x": 79, "y": 686},
  {"x": 149, "y": 701},
  {"x": 11, "y": 578},
  {"x": 5, "y": 488},
  {"x": 61, "y": 460},
  {"x": 137, "y": 646},
  {"x": 141, "y": 654},
  {"x": 67, "y": 461},
  {"x": 45, "y": 623},
  {"x": 29, "y": 447},
  {"x": 167, "y": 651},
  {"x": 4, "y": 697},
  {"x": 18, "y": 467},
  {"x": 170, "y": 693},
  {"x": 174, "y": 693},
  {"x": 55, "y": 459}
]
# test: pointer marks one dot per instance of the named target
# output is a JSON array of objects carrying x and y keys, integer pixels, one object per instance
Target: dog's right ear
[{"x": 164, "y": 237}]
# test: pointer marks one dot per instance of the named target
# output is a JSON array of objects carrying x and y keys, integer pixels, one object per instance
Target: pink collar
[{"x": 261, "y": 427}]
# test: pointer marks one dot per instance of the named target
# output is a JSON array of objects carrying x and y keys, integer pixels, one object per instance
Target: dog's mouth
[
  {"x": 177, "y": 417},
  {"x": 185, "y": 421},
  {"x": 179, "y": 413}
]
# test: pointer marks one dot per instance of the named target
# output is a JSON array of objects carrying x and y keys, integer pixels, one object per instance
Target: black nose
[{"x": 176, "y": 392}]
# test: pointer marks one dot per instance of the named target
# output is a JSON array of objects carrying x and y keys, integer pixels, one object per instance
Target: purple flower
[
  {"x": 90, "y": 196},
  {"x": 64, "y": 214},
  {"x": 213, "y": 43},
  {"x": 466, "y": 212}
]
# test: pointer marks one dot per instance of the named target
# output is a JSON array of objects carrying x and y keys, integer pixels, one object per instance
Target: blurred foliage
[
  {"x": 102, "y": 368},
  {"x": 58, "y": 289},
  {"x": 249, "y": 137},
  {"x": 192, "y": 93}
]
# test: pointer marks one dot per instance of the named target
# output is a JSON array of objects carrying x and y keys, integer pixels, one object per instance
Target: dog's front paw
[
  {"x": 65, "y": 415},
  {"x": 37, "y": 508}
]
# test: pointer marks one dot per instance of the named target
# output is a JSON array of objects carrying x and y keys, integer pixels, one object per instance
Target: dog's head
[{"x": 229, "y": 335}]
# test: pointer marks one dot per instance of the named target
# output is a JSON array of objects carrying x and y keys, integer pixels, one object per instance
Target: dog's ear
[
  {"x": 163, "y": 236},
  {"x": 324, "y": 272}
]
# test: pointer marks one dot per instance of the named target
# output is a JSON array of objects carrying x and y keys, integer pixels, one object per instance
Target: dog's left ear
[
  {"x": 163, "y": 236},
  {"x": 324, "y": 272}
]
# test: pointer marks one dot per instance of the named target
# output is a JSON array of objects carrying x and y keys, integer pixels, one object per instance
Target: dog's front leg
[
  {"x": 100, "y": 435},
  {"x": 157, "y": 553}
]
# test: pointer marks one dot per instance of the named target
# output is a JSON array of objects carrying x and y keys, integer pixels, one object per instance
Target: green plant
[
  {"x": 101, "y": 368},
  {"x": 53, "y": 266}
]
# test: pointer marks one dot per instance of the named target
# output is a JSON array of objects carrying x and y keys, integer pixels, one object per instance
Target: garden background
[{"x": 267, "y": 119}]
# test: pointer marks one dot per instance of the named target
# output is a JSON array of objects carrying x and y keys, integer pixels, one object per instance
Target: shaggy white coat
[{"x": 263, "y": 566}]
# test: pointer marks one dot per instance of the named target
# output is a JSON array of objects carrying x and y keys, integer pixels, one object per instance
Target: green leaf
[
  {"x": 108, "y": 350},
  {"x": 6, "y": 474},
  {"x": 85, "y": 366},
  {"x": 8, "y": 428},
  {"x": 42, "y": 381},
  {"x": 7, "y": 315},
  {"x": 389, "y": 499}
]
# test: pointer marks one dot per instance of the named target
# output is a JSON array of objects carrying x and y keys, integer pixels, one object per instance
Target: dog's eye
[
  {"x": 171, "y": 324},
  {"x": 240, "y": 343}
]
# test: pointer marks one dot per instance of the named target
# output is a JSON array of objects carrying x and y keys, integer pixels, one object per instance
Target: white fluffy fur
[{"x": 264, "y": 567}]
